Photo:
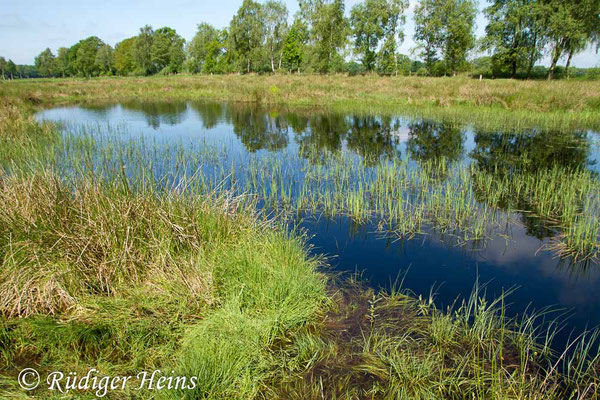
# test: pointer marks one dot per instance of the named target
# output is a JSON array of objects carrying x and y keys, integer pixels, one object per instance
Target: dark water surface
[{"x": 511, "y": 260}]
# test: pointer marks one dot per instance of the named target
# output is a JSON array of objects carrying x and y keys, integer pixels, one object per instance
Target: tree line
[{"x": 321, "y": 38}]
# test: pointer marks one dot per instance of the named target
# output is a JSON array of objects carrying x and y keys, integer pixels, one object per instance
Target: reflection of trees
[
  {"x": 323, "y": 136},
  {"x": 507, "y": 153},
  {"x": 371, "y": 137},
  {"x": 99, "y": 110},
  {"x": 298, "y": 122},
  {"x": 256, "y": 129},
  {"x": 210, "y": 113},
  {"x": 429, "y": 140},
  {"x": 157, "y": 113},
  {"x": 506, "y": 158}
]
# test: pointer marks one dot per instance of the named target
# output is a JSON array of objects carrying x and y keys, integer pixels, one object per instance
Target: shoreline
[{"x": 489, "y": 104}]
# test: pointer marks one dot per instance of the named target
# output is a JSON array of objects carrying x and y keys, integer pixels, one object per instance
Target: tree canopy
[{"x": 324, "y": 37}]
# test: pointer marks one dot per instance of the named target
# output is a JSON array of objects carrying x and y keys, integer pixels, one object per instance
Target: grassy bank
[
  {"x": 99, "y": 270},
  {"x": 487, "y": 104},
  {"x": 94, "y": 275}
]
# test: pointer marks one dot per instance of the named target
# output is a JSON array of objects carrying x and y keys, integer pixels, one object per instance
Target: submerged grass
[
  {"x": 486, "y": 104},
  {"x": 115, "y": 261},
  {"x": 396, "y": 346},
  {"x": 560, "y": 198}
]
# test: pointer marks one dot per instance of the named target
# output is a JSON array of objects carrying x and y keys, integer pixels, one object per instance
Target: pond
[{"x": 354, "y": 183}]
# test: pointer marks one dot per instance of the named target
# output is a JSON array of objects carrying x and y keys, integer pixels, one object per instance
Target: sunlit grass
[{"x": 487, "y": 104}]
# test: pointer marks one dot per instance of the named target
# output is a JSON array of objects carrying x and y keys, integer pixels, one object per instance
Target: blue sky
[{"x": 29, "y": 26}]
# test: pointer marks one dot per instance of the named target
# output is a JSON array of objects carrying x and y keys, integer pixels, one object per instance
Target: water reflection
[
  {"x": 322, "y": 135},
  {"x": 502, "y": 155},
  {"x": 531, "y": 150},
  {"x": 210, "y": 114},
  {"x": 256, "y": 129},
  {"x": 430, "y": 140},
  {"x": 158, "y": 113}
]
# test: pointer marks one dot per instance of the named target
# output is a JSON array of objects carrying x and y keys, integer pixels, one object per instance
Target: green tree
[
  {"x": 294, "y": 46},
  {"x": 105, "y": 60},
  {"x": 515, "y": 34},
  {"x": 85, "y": 62},
  {"x": 247, "y": 33},
  {"x": 216, "y": 60},
  {"x": 329, "y": 34},
  {"x": 201, "y": 45},
  {"x": 3, "y": 66},
  {"x": 62, "y": 62},
  {"x": 177, "y": 55},
  {"x": 142, "y": 51},
  {"x": 459, "y": 32},
  {"x": 445, "y": 28},
  {"x": 368, "y": 20},
  {"x": 167, "y": 50},
  {"x": 72, "y": 58},
  {"x": 124, "y": 58},
  {"x": 45, "y": 63},
  {"x": 388, "y": 59},
  {"x": 572, "y": 26},
  {"x": 275, "y": 22},
  {"x": 429, "y": 26},
  {"x": 11, "y": 69},
  {"x": 372, "y": 21}
]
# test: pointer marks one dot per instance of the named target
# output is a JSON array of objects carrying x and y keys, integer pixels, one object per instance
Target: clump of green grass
[
  {"x": 96, "y": 275},
  {"x": 21, "y": 137}
]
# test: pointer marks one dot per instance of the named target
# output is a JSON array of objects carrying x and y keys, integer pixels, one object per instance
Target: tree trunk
[
  {"x": 513, "y": 72},
  {"x": 272, "y": 63},
  {"x": 531, "y": 55},
  {"x": 555, "y": 57},
  {"x": 568, "y": 63},
  {"x": 248, "y": 64}
]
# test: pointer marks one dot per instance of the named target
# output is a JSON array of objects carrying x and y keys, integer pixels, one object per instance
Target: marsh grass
[
  {"x": 129, "y": 256},
  {"x": 21, "y": 137},
  {"x": 563, "y": 199},
  {"x": 459, "y": 201},
  {"x": 489, "y": 104},
  {"x": 395, "y": 345},
  {"x": 93, "y": 274}
]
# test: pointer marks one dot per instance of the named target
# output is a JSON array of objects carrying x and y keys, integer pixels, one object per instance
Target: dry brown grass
[{"x": 62, "y": 243}]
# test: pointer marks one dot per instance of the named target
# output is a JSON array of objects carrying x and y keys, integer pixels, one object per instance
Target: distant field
[{"x": 493, "y": 104}]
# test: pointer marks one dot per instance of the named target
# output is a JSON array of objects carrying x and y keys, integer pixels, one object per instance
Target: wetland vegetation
[
  {"x": 292, "y": 209},
  {"x": 136, "y": 236}
]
